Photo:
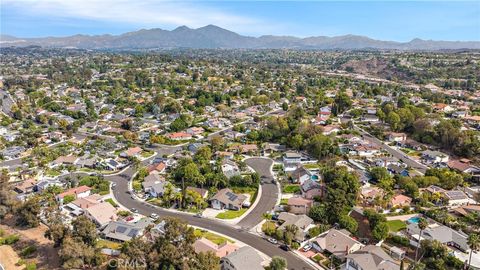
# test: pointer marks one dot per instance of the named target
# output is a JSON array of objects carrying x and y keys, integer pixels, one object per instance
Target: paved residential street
[
  {"x": 268, "y": 197},
  {"x": 123, "y": 197},
  {"x": 394, "y": 152}
]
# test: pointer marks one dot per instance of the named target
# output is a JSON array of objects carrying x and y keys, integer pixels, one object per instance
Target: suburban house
[
  {"x": 26, "y": 187},
  {"x": 366, "y": 150},
  {"x": 370, "y": 258},
  {"x": 179, "y": 136},
  {"x": 155, "y": 185},
  {"x": 299, "y": 205},
  {"x": 112, "y": 164},
  {"x": 329, "y": 129},
  {"x": 456, "y": 197},
  {"x": 396, "y": 137},
  {"x": 300, "y": 175},
  {"x": 302, "y": 222},
  {"x": 131, "y": 152},
  {"x": 78, "y": 206},
  {"x": 243, "y": 258},
  {"x": 337, "y": 242},
  {"x": 270, "y": 148},
  {"x": 195, "y": 131},
  {"x": 230, "y": 168},
  {"x": 157, "y": 167},
  {"x": 311, "y": 189},
  {"x": 101, "y": 214},
  {"x": 291, "y": 160},
  {"x": 248, "y": 148},
  {"x": 122, "y": 231},
  {"x": 226, "y": 199},
  {"x": 463, "y": 165},
  {"x": 77, "y": 192},
  {"x": 433, "y": 157},
  {"x": 444, "y": 234},
  {"x": 466, "y": 210},
  {"x": 221, "y": 250},
  {"x": 400, "y": 200},
  {"x": 65, "y": 160}
]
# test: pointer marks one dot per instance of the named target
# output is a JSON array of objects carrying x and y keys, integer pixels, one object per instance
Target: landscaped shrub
[{"x": 28, "y": 251}]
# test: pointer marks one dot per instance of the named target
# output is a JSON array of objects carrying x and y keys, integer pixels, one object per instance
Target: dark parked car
[{"x": 285, "y": 247}]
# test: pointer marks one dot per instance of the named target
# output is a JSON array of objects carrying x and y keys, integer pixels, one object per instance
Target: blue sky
[{"x": 386, "y": 20}]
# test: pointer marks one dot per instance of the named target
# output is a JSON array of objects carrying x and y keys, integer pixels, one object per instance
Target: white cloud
[{"x": 145, "y": 13}]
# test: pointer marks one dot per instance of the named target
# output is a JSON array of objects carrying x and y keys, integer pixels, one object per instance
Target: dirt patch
[
  {"x": 8, "y": 258},
  {"x": 46, "y": 256}
]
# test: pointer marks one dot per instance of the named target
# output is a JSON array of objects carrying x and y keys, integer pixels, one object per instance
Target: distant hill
[{"x": 212, "y": 36}]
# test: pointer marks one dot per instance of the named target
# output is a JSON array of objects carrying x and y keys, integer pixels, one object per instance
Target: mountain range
[{"x": 213, "y": 37}]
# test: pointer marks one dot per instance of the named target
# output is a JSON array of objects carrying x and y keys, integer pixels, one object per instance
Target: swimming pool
[{"x": 413, "y": 220}]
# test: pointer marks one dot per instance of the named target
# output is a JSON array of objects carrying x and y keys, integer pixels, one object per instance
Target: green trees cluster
[
  {"x": 97, "y": 183},
  {"x": 28, "y": 212},
  {"x": 342, "y": 191},
  {"x": 293, "y": 131},
  {"x": 378, "y": 224},
  {"x": 77, "y": 244},
  {"x": 7, "y": 197},
  {"x": 181, "y": 123},
  {"x": 448, "y": 135},
  {"x": 171, "y": 250}
]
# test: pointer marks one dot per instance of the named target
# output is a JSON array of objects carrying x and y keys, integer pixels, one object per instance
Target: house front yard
[
  {"x": 215, "y": 238},
  {"x": 231, "y": 214}
]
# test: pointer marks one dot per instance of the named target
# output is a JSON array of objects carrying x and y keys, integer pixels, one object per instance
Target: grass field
[
  {"x": 290, "y": 188},
  {"x": 113, "y": 203},
  {"x": 231, "y": 214},
  {"x": 396, "y": 225},
  {"x": 215, "y": 238}
]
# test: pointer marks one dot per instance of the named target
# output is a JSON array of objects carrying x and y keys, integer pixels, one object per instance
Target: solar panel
[
  {"x": 231, "y": 196},
  {"x": 132, "y": 233},
  {"x": 121, "y": 229}
]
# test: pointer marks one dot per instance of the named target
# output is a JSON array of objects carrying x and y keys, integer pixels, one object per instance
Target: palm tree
[
  {"x": 474, "y": 244},
  {"x": 178, "y": 197},
  {"x": 422, "y": 224}
]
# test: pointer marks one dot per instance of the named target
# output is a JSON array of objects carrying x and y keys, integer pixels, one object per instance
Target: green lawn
[
  {"x": 290, "y": 188},
  {"x": 146, "y": 154},
  {"x": 110, "y": 200},
  {"x": 396, "y": 225},
  {"x": 283, "y": 201},
  {"x": 215, "y": 238},
  {"x": 231, "y": 214},
  {"x": 311, "y": 166},
  {"x": 52, "y": 172},
  {"x": 137, "y": 185}
]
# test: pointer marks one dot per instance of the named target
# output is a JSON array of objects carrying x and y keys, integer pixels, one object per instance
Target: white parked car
[
  {"x": 307, "y": 247},
  {"x": 272, "y": 240}
]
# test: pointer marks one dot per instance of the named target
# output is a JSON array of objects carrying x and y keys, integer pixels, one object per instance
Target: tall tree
[
  {"x": 474, "y": 244},
  {"x": 422, "y": 225},
  {"x": 278, "y": 263}
]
